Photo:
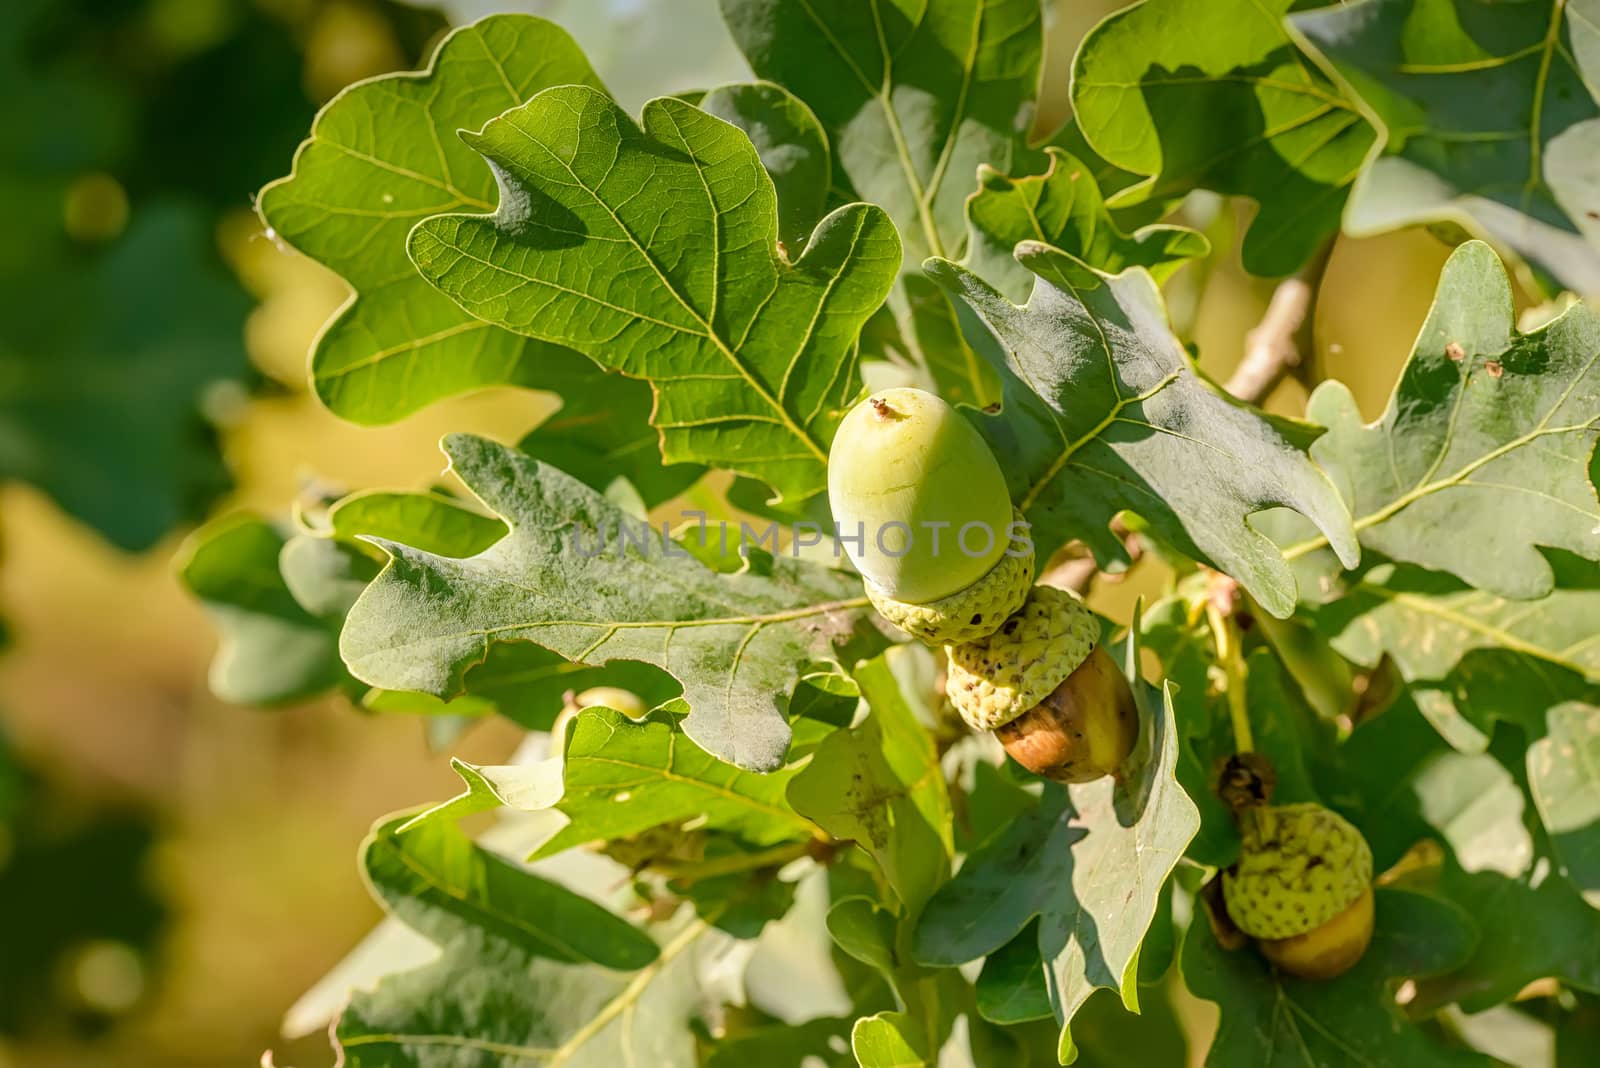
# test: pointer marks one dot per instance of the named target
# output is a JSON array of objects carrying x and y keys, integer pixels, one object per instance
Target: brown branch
[{"x": 1282, "y": 339}]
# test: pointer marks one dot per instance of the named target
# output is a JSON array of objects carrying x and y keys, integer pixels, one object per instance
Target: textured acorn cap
[
  {"x": 994, "y": 679},
  {"x": 1301, "y": 865},
  {"x": 973, "y": 612}
]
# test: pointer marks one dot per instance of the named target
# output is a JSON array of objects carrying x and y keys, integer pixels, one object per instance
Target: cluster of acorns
[
  {"x": 924, "y": 514},
  {"x": 929, "y": 525}
]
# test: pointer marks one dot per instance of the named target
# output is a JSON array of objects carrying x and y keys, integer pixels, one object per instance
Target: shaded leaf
[
  {"x": 494, "y": 996},
  {"x": 1532, "y": 930},
  {"x": 1564, "y": 778},
  {"x": 1062, "y": 208},
  {"x": 1483, "y": 453},
  {"x": 1471, "y": 657},
  {"x": 1489, "y": 114},
  {"x": 578, "y": 577},
  {"x": 1105, "y": 411},
  {"x": 1216, "y": 96},
  {"x": 272, "y": 649},
  {"x": 432, "y": 870},
  {"x": 914, "y": 96},
  {"x": 880, "y": 785},
  {"x": 382, "y": 156},
  {"x": 1090, "y": 861},
  {"x": 1277, "y": 1022},
  {"x": 792, "y": 146},
  {"x": 653, "y": 251}
]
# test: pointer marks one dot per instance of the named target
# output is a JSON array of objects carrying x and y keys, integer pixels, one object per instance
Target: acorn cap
[
  {"x": 973, "y": 612},
  {"x": 1301, "y": 865},
  {"x": 994, "y": 679}
]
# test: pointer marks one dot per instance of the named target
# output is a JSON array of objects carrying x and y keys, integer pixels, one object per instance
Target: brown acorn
[{"x": 1052, "y": 695}]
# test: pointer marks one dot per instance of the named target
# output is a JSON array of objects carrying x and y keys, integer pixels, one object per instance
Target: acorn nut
[
  {"x": 1302, "y": 888},
  {"x": 923, "y": 512},
  {"x": 1054, "y": 697}
]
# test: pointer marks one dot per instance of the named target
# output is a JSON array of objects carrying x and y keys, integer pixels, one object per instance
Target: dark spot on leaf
[
  {"x": 1494, "y": 368},
  {"x": 1455, "y": 351}
]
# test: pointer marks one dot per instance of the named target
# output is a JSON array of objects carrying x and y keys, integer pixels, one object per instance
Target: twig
[{"x": 1282, "y": 339}]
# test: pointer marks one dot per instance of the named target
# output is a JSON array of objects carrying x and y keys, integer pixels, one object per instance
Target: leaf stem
[
  {"x": 1225, "y": 632},
  {"x": 776, "y": 857}
]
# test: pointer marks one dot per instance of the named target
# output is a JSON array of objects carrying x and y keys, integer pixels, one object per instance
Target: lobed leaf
[
  {"x": 1089, "y": 861},
  {"x": 880, "y": 785},
  {"x": 1105, "y": 411},
  {"x": 653, "y": 251},
  {"x": 621, "y": 777},
  {"x": 1489, "y": 115},
  {"x": 914, "y": 95},
  {"x": 1216, "y": 96},
  {"x": 1062, "y": 208},
  {"x": 382, "y": 156},
  {"x": 1483, "y": 454},
  {"x": 578, "y": 577},
  {"x": 1468, "y": 656}
]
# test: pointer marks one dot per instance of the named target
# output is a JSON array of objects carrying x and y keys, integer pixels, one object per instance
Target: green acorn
[
  {"x": 1302, "y": 888},
  {"x": 924, "y": 514}
]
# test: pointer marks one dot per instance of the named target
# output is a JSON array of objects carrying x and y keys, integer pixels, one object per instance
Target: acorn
[
  {"x": 1302, "y": 888},
  {"x": 923, "y": 512},
  {"x": 1024, "y": 662},
  {"x": 1053, "y": 696}
]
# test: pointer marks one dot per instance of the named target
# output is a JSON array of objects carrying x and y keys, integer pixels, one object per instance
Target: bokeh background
[{"x": 175, "y": 873}]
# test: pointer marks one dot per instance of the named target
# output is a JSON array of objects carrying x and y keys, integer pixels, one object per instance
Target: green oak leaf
[
  {"x": 928, "y": 1003},
  {"x": 654, "y": 252},
  {"x": 1483, "y": 454},
  {"x": 913, "y": 95},
  {"x": 1564, "y": 778},
  {"x": 273, "y": 649},
  {"x": 1090, "y": 861},
  {"x": 1105, "y": 411},
  {"x": 1533, "y": 930},
  {"x": 1216, "y": 96},
  {"x": 1490, "y": 116},
  {"x": 1469, "y": 656},
  {"x": 792, "y": 145},
  {"x": 621, "y": 777},
  {"x": 382, "y": 156},
  {"x": 602, "y": 436},
  {"x": 1062, "y": 208},
  {"x": 578, "y": 577},
  {"x": 430, "y": 521},
  {"x": 432, "y": 868},
  {"x": 1374, "y": 785},
  {"x": 104, "y": 363},
  {"x": 880, "y": 785},
  {"x": 503, "y": 989},
  {"x": 1278, "y": 1022}
]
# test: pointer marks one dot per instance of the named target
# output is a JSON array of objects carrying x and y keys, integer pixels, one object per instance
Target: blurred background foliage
[{"x": 174, "y": 873}]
